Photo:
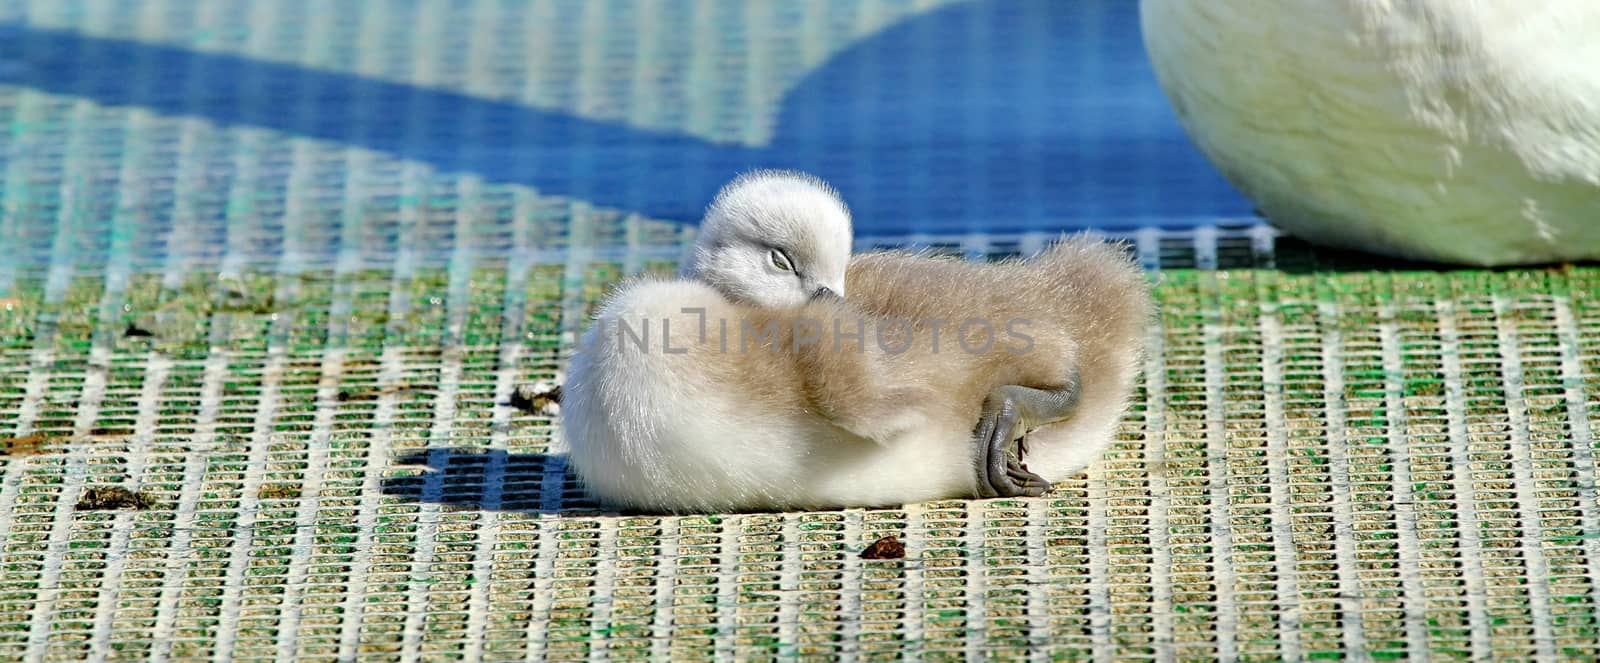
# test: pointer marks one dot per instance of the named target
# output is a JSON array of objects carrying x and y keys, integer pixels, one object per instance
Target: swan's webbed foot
[{"x": 1009, "y": 414}]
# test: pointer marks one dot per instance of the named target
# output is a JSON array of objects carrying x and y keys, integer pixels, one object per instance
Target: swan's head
[{"x": 773, "y": 239}]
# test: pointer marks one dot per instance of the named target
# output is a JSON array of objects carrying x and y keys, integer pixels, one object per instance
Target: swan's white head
[{"x": 773, "y": 239}]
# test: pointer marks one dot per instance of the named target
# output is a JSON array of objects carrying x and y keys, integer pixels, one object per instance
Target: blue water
[{"x": 987, "y": 116}]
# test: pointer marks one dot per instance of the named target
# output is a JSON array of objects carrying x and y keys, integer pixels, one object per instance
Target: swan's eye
[{"x": 780, "y": 261}]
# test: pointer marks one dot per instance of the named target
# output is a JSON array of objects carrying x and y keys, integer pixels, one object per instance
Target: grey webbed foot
[{"x": 1009, "y": 414}]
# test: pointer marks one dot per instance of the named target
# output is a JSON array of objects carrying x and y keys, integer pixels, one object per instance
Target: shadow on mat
[
  {"x": 491, "y": 479},
  {"x": 986, "y": 116},
  {"x": 1296, "y": 256},
  {"x": 495, "y": 480}
]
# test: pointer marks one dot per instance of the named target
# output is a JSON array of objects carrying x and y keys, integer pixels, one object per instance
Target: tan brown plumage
[{"x": 1087, "y": 306}]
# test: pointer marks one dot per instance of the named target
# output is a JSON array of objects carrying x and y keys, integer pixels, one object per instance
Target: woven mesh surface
[{"x": 279, "y": 268}]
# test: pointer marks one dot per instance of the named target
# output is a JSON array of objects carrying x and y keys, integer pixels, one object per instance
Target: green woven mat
[{"x": 1320, "y": 464}]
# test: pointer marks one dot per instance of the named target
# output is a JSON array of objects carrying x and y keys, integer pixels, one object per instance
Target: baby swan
[
  {"x": 752, "y": 382},
  {"x": 674, "y": 401}
]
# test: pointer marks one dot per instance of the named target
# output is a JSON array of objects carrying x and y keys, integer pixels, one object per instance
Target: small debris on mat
[
  {"x": 246, "y": 295},
  {"x": 135, "y": 331},
  {"x": 103, "y": 431},
  {"x": 540, "y": 398},
  {"x": 278, "y": 491},
  {"x": 27, "y": 445},
  {"x": 367, "y": 394},
  {"x": 106, "y": 498},
  {"x": 887, "y": 547}
]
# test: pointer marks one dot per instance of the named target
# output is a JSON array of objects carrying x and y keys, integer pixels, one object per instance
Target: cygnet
[{"x": 765, "y": 378}]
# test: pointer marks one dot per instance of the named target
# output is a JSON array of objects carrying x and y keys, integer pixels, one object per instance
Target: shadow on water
[{"x": 994, "y": 115}]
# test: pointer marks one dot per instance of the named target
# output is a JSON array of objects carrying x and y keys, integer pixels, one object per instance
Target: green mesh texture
[
  {"x": 303, "y": 352},
  {"x": 1320, "y": 463}
]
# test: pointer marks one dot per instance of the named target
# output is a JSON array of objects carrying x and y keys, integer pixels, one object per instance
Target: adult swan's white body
[{"x": 1457, "y": 130}]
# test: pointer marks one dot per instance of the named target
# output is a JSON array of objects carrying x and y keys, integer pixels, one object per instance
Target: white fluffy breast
[
  {"x": 647, "y": 427},
  {"x": 661, "y": 430}
]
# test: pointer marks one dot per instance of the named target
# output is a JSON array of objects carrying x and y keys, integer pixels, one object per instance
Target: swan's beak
[{"x": 823, "y": 293}]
